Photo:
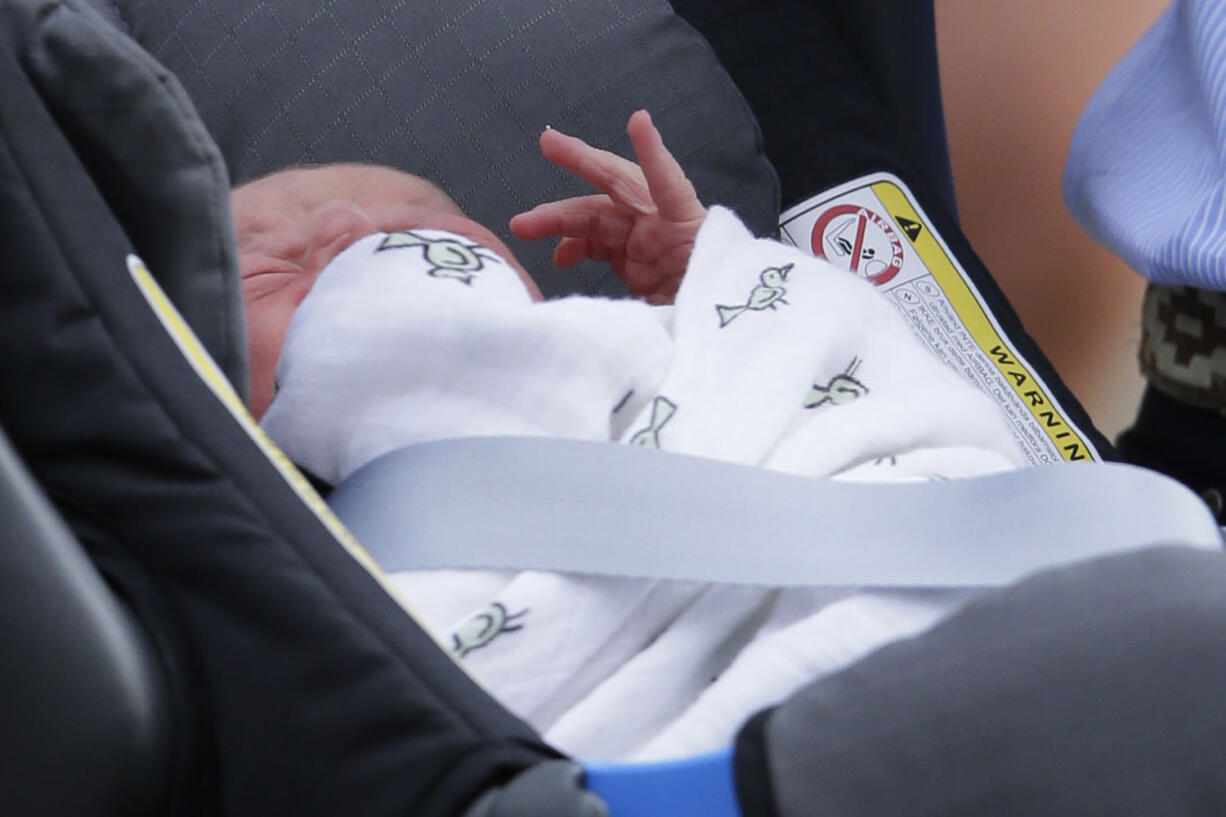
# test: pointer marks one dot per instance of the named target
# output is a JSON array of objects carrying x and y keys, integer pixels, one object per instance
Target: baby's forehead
[{"x": 304, "y": 186}]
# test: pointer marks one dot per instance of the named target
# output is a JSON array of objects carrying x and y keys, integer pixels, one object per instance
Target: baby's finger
[
  {"x": 551, "y": 218},
  {"x": 617, "y": 177},
  {"x": 670, "y": 188},
  {"x": 581, "y": 217},
  {"x": 569, "y": 252}
]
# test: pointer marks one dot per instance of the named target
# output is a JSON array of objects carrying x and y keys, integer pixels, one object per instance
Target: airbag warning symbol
[{"x": 859, "y": 240}]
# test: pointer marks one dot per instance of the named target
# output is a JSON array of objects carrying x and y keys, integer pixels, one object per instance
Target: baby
[
  {"x": 380, "y": 316},
  {"x": 292, "y": 223}
]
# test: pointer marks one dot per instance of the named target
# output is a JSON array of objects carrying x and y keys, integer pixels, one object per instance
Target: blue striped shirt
[{"x": 1145, "y": 169}]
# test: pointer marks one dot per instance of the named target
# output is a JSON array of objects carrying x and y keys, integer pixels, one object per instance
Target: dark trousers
[{"x": 1182, "y": 441}]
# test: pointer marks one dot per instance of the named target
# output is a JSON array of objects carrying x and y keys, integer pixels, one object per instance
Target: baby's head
[{"x": 291, "y": 223}]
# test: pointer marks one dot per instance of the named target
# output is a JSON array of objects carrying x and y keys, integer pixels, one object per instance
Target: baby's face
[{"x": 290, "y": 224}]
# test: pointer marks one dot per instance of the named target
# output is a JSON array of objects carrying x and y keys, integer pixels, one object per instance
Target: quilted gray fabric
[{"x": 458, "y": 91}]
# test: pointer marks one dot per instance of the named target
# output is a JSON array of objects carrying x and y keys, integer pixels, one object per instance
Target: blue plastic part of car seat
[{"x": 699, "y": 786}]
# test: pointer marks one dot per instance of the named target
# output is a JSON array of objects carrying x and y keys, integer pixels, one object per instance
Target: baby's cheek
[{"x": 268, "y": 316}]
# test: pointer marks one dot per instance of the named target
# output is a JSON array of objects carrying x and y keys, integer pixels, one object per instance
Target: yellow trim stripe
[{"x": 211, "y": 374}]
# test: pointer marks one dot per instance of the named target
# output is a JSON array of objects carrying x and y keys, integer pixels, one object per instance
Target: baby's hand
[{"x": 645, "y": 222}]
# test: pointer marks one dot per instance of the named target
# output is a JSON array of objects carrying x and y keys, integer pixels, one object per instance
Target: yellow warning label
[
  {"x": 975, "y": 318},
  {"x": 874, "y": 228}
]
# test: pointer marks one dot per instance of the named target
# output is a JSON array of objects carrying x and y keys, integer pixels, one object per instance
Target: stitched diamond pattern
[{"x": 458, "y": 91}]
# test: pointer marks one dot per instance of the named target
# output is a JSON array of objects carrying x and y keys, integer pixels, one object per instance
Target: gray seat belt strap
[{"x": 562, "y": 505}]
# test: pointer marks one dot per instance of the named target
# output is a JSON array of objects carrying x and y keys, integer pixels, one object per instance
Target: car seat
[{"x": 226, "y": 647}]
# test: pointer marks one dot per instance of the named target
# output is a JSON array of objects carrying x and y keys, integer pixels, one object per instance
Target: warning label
[{"x": 873, "y": 228}]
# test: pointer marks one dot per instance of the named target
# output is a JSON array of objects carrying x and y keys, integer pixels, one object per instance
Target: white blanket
[
  {"x": 769, "y": 357},
  {"x": 414, "y": 336}
]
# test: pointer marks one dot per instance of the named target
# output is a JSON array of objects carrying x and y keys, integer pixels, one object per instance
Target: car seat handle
[{"x": 698, "y": 786}]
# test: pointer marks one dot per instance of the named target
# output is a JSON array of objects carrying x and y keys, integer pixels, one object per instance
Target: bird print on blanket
[
  {"x": 447, "y": 257},
  {"x": 766, "y": 295},
  {"x": 484, "y": 627},
  {"x": 662, "y": 410},
  {"x": 842, "y": 388}
]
